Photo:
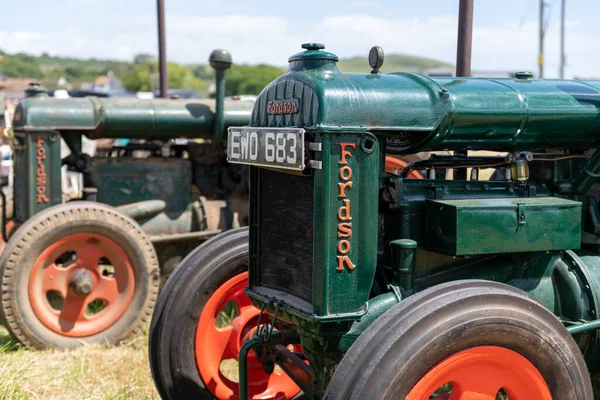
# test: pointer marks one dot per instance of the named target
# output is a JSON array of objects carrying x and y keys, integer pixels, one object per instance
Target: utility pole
[
  {"x": 562, "y": 40},
  {"x": 162, "y": 49},
  {"x": 541, "y": 51},
  {"x": 465, "y": 38},
  {"x": 463, "y": 58}
]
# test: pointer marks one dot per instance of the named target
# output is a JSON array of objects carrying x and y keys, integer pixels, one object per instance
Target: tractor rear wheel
[
  {"x": 464, "y": 340},
  {"x": 77, "y": 273},
  {"x": 199, "y": 324}
]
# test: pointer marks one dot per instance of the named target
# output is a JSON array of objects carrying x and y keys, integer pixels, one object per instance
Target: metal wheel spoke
[
  {"x": 239, "y": 323},
  {"x": 73, "y": 311},
  {"x": 485, "y": 388},
  {"x": 223, "y": 342},
  {"x": 246, "y": 314},
  {"x": 242, "y": 300},
  {"x": 469, "y": 395},
  {"x": 107, "y": 289},
  {"x": 88, "y": 256},
  {"x": 55, "y": 279}
]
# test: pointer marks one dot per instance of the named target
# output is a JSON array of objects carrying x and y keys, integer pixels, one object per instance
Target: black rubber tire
[
  {"x": 396, "y": 350},
  {"x": 45, "y": 228},
  {"x": 178, "y": 309}
]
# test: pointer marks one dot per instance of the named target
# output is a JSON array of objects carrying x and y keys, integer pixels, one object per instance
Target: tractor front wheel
[
  {"x": 77, "y": 273},
  {"x": 199, "y": 324},
  {"x": 464, "y": 340}
]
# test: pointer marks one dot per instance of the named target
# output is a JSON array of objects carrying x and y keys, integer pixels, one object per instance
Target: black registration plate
[{"x": 267, "y": 147}]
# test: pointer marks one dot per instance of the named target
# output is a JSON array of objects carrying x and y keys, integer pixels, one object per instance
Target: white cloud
[{"x": 270, "y": 39}]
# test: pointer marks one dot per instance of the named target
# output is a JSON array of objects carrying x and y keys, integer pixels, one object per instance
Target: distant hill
[
  {"x": 48, "y": 67},
  {"x": 392, "y": 63},
  {"x": 243, "y": 79}
]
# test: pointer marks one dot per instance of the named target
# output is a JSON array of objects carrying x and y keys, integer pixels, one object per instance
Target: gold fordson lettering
[
  {"x": 344, "y": 216},
  {"x": 41, "y": 171},
  {"x": 286, "y": 106}
]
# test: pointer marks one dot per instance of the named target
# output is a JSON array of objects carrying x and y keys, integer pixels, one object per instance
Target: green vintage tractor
[
  {"x": 88, "y": 270},
  {"x": 354, "y": 283}
]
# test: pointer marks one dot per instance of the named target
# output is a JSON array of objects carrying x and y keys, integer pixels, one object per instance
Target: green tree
[
  {"x": 203, "y": 71},
  {"x": 143, "y": 58},
  {"x": 21, "y": 66},
  {"x": 247, "y": 79},
  {"x": 139, "y": 78}
]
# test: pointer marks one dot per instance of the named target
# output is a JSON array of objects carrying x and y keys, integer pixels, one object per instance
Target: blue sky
[{"x": 505, "y": 33}]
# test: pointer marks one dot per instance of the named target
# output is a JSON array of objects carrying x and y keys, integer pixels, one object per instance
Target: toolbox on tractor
[{"x": 485, "y": 226}]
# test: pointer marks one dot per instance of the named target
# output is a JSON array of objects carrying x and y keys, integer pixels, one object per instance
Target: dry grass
[{"x": 86, "y": 373}]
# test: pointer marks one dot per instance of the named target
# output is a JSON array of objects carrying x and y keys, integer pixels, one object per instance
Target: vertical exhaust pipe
[
  {"x": 465, "y": 38},
  {"x": 220, "y": 60},
  {"x": 463, "y": 57},
  {"x": 162, "y": 50}
]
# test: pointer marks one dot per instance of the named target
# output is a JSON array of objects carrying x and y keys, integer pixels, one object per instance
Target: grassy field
[{"x": 85, "y": 373}]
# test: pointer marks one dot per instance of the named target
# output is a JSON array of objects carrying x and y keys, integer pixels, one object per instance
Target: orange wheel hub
[
  {"x": 215, "y": 344},
  {"x": 81, "y": 285},
  {"x": 479, "y": 373},
  {"x": 392, "y": 163}
]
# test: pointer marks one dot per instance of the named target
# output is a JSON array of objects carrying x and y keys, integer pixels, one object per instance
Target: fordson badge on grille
[
  {"x": 285, "y": 106},
  {"x": 268, "y": 147}
]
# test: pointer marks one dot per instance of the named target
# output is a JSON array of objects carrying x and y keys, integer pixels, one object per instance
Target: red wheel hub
[
  {"x": 81, "y": 285},
  {"x": 479, "y": 373},
  {"x": 215, "y": 344}
]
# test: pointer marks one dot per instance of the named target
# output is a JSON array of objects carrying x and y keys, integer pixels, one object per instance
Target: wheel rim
[
  {"x": 479, "y": 373},
  {"x": 81, "y": 285},
  {"x": 392, "y": 163},
  {"x": 215, "y": 344}
]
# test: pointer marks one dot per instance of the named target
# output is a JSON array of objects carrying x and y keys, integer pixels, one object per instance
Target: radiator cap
[
  {"x": 314, "y": 51},
  {"x": 523, "y": 75},
  {"x": 36, "y": 89}
]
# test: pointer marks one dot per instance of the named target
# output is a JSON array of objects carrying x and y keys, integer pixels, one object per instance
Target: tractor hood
[
  {"x": 421, "y": 113},
  {"x": 126, "y": 117}
]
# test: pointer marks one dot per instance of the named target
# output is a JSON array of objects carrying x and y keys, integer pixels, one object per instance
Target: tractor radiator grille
[
  {"x": 20, "y": 187},
  {"x": 286, "y": 233}
]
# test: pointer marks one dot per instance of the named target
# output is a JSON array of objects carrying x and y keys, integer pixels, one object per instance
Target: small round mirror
[{"x": 376, "y": 58}]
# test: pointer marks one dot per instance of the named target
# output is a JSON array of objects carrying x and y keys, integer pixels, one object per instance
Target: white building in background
[{"x": 108, "y": 84}]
